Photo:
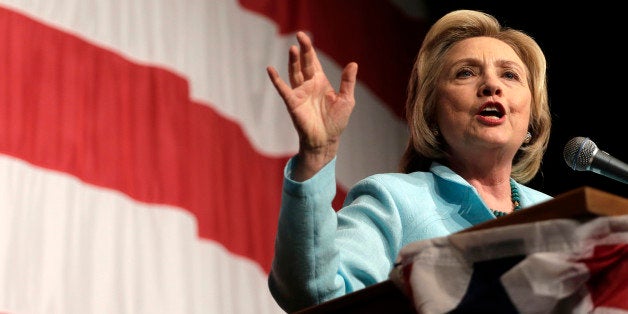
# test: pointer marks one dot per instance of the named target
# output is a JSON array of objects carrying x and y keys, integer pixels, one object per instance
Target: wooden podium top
[
  {"x": 581, "y": 204},
  {"x": 385, "y": 297}
]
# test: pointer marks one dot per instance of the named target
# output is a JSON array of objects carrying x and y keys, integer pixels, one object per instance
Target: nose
[{"x": 490, "y": 87}]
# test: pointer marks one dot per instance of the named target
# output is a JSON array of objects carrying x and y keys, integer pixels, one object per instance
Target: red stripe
[
  {"x": 376, "y": 34},
  {"x": 608, "y": 268},
  {"x": 70, "y": 106}
]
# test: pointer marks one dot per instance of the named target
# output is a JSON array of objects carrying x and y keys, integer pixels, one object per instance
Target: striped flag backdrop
[{"x": 142, "y": 144}]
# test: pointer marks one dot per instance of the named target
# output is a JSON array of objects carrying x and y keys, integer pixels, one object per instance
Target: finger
[
  {"x": 347, "y": 80},
  {"x": 282, "y": 88},
  {"x": 294, "y": 67},
  {"x": 309, "y": 61}
]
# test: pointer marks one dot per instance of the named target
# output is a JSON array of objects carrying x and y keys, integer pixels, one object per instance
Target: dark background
[{"x": 587, "y": 79}]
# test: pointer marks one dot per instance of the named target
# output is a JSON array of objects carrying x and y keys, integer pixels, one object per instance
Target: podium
[{"x": 581, "y": 204}]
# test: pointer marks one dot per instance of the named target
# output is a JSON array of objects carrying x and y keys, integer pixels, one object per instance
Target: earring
[
  {"x": 435, "y": 131},
  {"x": 528, "y": 138}
]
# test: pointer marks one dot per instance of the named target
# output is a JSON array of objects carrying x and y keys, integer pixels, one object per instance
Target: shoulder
[
  {"x": 408, "y": 203},
  {"x": 397, "y": 190},
  {"x": 400, "y": 182}
]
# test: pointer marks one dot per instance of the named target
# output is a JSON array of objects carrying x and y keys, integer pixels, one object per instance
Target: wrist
[{"x": 310, "y": 162}]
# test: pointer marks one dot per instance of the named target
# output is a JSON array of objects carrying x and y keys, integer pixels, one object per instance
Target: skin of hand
[{"x": 318, "y": 112}]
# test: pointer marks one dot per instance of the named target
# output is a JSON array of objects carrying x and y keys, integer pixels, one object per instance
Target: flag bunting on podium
[{"x": 553, "y": 266}]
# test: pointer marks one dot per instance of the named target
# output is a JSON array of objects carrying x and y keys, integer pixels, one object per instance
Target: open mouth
[{"x": 494, "y": 111}]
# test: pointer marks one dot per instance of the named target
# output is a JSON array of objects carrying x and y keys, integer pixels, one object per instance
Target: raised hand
[{"x": 318, "y": 112}]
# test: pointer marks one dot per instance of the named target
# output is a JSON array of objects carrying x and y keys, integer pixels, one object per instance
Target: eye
[
  {"x": 465, "y": 72},
  {"x": 511, "y": 75}
]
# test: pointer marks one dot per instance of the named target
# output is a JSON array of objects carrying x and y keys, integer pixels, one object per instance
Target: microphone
[{"x": 582, "y": 154}]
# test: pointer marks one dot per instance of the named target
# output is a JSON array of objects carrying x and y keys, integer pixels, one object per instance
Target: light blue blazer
[{"x": 321, "y": 254}]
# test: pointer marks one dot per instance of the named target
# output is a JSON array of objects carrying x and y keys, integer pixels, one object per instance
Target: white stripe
[
  {"x": 67, "y": 247},
  {"x": 223, "y": 50}
]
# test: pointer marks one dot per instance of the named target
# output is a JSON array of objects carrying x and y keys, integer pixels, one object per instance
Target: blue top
[{"x": 321, "y": 254}]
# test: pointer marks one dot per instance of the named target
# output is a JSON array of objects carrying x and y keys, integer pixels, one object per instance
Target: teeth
[{"x": 491, "y": 112}]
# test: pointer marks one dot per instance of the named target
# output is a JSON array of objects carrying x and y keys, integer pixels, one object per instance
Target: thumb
[{"x": 348, "y": 79}]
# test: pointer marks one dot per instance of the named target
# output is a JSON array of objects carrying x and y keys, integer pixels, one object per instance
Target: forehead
[{"x": 483, "y": 48}]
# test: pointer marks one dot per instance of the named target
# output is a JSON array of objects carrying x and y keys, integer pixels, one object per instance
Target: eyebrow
[
  {"x": 502, "y": 63},
  {"x": 511, "y": 64}
]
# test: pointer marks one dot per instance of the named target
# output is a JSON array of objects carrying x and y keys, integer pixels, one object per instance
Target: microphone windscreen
[{"x": 578, "y": 153}]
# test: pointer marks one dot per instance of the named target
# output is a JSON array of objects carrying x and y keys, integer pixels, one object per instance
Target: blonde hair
[{"x": 423, "y": 145}]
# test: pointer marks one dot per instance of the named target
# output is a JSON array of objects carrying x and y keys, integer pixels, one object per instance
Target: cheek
[
  {"x": 526, "y": 112},
  {"x": 443, "y": 109},
  {"x": 522, "y": 117},
  {"x": 522, "y": 106},
  {"x": 451, "y": 103},
  {"x": 455, "y": 97},
  {"x": 524, "y": 102}
]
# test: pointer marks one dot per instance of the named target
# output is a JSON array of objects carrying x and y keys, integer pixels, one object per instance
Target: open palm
[{"x": 319, "y": 114}]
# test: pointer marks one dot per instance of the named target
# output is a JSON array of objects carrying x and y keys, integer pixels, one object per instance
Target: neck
[
  {"x": 515, "y": 201},
  {"x": 496, "y": 195},
  {"x": 487, "y": 170}
]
